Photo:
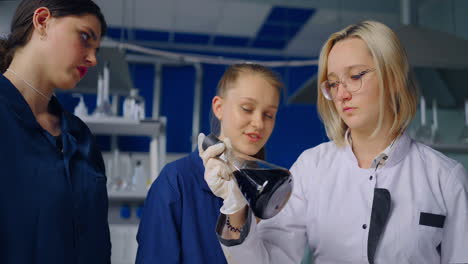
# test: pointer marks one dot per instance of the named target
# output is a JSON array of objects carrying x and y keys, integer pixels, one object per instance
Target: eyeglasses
[{"x": 351, "y": 81}]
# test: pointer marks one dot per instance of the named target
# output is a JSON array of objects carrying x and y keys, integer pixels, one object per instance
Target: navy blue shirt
[
  {"x": 179, "y": 217},
  {"x": 53, "y": 202}
]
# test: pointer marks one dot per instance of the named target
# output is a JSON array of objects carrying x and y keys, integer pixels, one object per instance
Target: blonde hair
[
  {"x": 396, "y": 87},
  {"x": 231, "y": 75}
]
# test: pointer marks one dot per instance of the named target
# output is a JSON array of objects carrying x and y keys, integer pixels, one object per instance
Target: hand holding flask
[{"x": 265, "y": 186}]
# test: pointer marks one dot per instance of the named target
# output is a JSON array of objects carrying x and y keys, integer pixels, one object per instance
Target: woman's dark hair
[
  {"x": 229, "y": 78},
  {"x": 22, "y": 22}
]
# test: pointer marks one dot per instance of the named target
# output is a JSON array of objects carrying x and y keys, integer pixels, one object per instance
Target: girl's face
[
  {"x": 69, "y": 48},
  {"x": 247, "y": 112},
  {"x": 351, "y": 59}
]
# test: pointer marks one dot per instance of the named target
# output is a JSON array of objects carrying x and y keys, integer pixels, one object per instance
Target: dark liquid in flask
[{"x": 265, "y": 202}]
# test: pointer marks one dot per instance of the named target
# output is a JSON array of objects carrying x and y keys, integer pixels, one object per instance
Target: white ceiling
[
  {"x": 241, "y": 18},
  {"x": 244, "y": 18}
]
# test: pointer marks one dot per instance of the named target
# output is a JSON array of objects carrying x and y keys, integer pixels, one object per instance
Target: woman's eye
[
  {"x": 332, "y": 85},
  {"x": 268, "y": 115},
  {"x": 246, "y": 109},
  {"x": 357, "y": 76},
  {"x": 85, "y": 36}
]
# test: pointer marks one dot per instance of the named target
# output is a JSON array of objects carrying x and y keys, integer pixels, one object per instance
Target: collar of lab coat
[{"x": 393, "y": 154}]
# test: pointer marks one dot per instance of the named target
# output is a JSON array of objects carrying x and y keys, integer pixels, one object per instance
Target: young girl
[
  {"x": 372, "y": 194},
  {"x": 180, "y": 211},
  {"x": 53, "y": 201}
]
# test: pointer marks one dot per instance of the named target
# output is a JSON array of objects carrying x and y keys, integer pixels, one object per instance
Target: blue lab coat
[
  {"x": 53, "y": 202},
  {"x": 179, "y": 217}
]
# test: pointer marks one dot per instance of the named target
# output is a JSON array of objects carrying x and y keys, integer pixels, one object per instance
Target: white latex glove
[{"x": 219, "y": 177}]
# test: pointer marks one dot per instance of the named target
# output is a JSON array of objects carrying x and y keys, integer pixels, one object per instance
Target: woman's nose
[
  {"x": 257, "y": 121},
  {"x": 342, "y": 92}
]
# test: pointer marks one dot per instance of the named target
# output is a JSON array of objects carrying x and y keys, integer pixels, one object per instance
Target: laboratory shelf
[
  {"x": 123, "y": 126},
  {"x": 119, "y": 126},
  {"x": 127, "y": 195}
]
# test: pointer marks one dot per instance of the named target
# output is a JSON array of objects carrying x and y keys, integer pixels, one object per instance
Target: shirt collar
[
  {"x": 16, "y": 101},
  {"x": 18, "y": 104},
  {"x": 390, "y": 156},
  {"x": 20, "y": 107},
  {"x": 399, "y": 150}
]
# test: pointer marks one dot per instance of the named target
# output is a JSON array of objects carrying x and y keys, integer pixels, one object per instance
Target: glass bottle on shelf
[
  {"x": 138, "y": 177},
  {"x": 464, "y": 134},
  {"x": 119, "y": 171},
  {"x": 424, "y": 132},
  {"x": 103, "y": 106},
  {"x": 435, "y": 123},
  {"x": 134, "y": 106}
]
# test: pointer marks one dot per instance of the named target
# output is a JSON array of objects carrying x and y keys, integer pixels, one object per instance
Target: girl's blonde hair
[
  {"x": 231, "y": 75},
  {"x": 397, "y": 90}
]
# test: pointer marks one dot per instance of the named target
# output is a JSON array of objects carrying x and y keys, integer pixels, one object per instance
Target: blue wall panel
[
  {"x": 297, "y": 128},
  {"x": 177, "y": 105}
]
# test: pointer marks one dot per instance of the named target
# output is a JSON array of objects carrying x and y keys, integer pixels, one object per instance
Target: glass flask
[{"x": 265, "y": 186}]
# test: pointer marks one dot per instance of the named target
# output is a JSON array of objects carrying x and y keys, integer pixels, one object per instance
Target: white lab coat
[{"x": 331, "y": 205}]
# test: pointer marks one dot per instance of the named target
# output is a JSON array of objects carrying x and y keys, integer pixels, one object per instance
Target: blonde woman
[
  {"x": 180, "y": 211},
  {"x": 372, "y": 194}
]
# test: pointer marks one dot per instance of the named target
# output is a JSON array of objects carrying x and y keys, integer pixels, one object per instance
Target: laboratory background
[{"x": 159, "y": 64}]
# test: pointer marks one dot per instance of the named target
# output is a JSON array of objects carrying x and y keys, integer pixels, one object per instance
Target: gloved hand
[{"x": 219, "y": 177}]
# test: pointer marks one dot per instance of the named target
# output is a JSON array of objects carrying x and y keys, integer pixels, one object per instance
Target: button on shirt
[
  {"x": 331, "y": 206},
  {"x": 53, "y": 202}
]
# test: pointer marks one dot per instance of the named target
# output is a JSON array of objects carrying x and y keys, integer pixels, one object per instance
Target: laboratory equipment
[
  {"x": 134, "y": 106},
  {"x": 80, "y": 110},
  {"x": 266, "y": 187},
  {"x": 103, "y": 107},
  {"x": 139, "y": 177},
  {"x": 424, "y": 133},
  {"x": 464, "y": 134},
  {"x": 435, "y": 123},
  {"x": 119, "y": 168}
]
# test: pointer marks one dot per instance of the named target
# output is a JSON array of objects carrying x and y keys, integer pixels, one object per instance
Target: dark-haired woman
[{"x": 53, "y": 203}]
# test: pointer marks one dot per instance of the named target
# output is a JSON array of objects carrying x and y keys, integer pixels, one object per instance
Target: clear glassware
[
  {"x": 266, "y": 187},
  {"x": 125, "y": 171},
  {"x": 119, "y": 171},
  {"x": 464, "y": 133},
  {"x": 134, "y": 106},
  {"x": 426, "y": 133},
  {"x": 103, "y": 106},
  {"x": 435, "y": 123},
  {"x": 139, "y": 177}
]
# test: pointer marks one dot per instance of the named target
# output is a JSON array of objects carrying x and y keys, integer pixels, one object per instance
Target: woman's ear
[
  {"x": 41, "y": 18},
  {"x": 217, "y": 108}
]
